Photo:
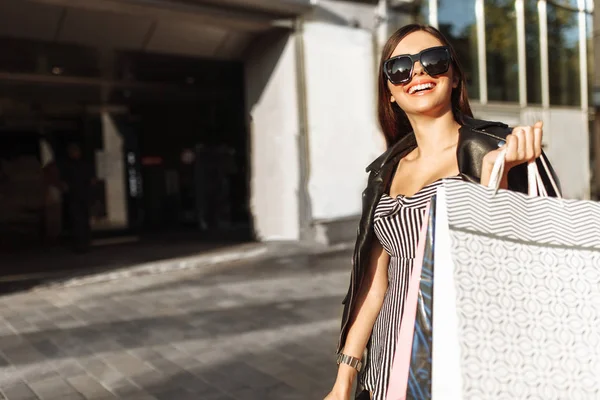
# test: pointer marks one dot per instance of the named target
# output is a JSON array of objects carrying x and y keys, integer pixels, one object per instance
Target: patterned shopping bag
[{"x": 516, "y": 300}]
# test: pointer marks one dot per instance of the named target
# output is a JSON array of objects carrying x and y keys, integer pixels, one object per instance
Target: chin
[{"x": 431, "y": 108}]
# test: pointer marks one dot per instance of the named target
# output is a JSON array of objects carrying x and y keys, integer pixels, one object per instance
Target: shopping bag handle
[{"x": 535, "y": 184}]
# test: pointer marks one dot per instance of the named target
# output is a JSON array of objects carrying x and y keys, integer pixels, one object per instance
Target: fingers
[
  {"x": 524, "y": 143},
  {"x": 521, "y": 135},
  {"x": 537, "y": 134},
  {"x": 512, "y": 147},
  {"x": 529, "y": 144}
]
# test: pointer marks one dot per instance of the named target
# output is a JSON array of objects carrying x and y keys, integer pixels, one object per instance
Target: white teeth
[{"x": 422, "y": 86}]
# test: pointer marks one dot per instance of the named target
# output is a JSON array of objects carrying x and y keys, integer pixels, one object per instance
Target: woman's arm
[{"x": 368, "y": 304}]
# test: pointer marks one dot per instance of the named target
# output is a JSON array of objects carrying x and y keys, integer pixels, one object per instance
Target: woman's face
[{"x": 433, "y": 101}]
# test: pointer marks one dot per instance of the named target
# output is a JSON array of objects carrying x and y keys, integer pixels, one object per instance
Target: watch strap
[{"x": 349, "y": 360}]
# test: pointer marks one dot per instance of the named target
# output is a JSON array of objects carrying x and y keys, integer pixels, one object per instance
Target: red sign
[{"x": 152, "y": 160}]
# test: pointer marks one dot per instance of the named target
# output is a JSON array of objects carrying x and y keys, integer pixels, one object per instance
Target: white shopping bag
[{"x": 516, "y": 295}]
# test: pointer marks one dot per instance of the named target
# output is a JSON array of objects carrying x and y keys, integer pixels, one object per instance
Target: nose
[{"x": 418, "y": 69}]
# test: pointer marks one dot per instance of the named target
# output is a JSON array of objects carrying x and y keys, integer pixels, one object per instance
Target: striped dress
[{"x": 397, "y": 223}]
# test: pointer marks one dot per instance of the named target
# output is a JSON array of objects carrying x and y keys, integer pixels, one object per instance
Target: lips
[{"x": 420, "y": 86}]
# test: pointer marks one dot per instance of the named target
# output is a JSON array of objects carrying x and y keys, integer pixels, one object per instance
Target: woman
[{"x": 427, "y": 121}]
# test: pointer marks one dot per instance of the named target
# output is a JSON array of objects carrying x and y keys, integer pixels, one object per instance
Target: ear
[{"x": 455, "y": 82}]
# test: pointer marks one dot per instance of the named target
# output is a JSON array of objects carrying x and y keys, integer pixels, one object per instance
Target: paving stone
[
  {"x": 19, "y": 324},
  {"x": 244, "y": 373},
  {"x": 143, "y": 396},
  {"x": 126, "y": 364},
  {"x": 3, "y": 361},
  {"x": 148, "y": 378},
  {"x": 102, "y": 372},
  {"x": 23, "y": 353},
  {"x": 192, "y": 383},
  {"x": 10, "y": 341},
  {"x": 179, "y": 394},
  {"x": 18, "y": 391},
  {"x": 68, "y": 367},
  {"x": 165, "y": 366},
  {"x": 54, "y": 388},
  {"x": 48, "y": 348},
  {"x": 123, "y": 388},
  {"x": 220, "y": 380},
  {"x": 259, "y": 331},
  {"x": 40, "y": 372},
  {"x": 89, "y": 387}
]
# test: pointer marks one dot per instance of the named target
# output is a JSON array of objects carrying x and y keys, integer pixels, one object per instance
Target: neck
[{"x": 434, "y": 134}]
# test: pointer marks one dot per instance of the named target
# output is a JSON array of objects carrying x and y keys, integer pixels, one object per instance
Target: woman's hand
[
  {"x": 338, "y": 394},
  {"x": 524, "y": 144},
  {"x": 342, "y": 388}
]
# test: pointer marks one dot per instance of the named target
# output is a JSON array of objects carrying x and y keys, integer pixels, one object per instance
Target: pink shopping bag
[{"x": 398, "y": 380}]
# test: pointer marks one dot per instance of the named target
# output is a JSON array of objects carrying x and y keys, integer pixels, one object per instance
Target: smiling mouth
[{"x": 421, "y": 87}]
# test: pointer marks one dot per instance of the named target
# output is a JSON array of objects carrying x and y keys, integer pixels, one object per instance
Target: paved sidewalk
[{"x": 258, "y": 330}]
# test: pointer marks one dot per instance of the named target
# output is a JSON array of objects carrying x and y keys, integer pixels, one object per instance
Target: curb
[{"x": 202, "y": 262}]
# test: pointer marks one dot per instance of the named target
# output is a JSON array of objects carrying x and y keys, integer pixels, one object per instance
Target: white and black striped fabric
[{"x": 397, "y": 222}]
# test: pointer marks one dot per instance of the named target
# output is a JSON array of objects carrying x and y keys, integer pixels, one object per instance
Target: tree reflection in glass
[
  {"x": 456, "y": 20},
  {"x": 563, "y": 56},
  {"x": 502, "y": 52}
]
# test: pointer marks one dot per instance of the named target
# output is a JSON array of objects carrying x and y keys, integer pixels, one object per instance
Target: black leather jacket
[{"x": 476, "y": 139}]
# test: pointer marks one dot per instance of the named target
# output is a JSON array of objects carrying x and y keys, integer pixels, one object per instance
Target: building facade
[
  {"x": 525, "y": 60},
  {"x": 287, "y": 88}
]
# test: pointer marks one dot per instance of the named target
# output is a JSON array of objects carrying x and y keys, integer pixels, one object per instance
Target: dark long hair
[{"x": 393, "y": 120}]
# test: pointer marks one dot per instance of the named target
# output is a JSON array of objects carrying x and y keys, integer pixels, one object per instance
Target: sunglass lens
[
  {"x": 399, "y": 69},
  {"x": 435, "y": 61}
]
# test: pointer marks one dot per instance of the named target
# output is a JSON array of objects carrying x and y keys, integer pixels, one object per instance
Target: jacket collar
[{"x": 409, "y": 142}]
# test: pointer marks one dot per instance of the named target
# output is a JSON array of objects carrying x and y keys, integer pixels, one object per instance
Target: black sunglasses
[{"x": 435, "y": 61}]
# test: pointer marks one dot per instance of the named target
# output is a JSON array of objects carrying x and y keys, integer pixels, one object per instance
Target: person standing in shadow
[{"x": 78, "y": 180}]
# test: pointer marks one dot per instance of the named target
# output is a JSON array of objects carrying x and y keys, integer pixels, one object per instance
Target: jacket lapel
[{"x": 476, "y": 140}]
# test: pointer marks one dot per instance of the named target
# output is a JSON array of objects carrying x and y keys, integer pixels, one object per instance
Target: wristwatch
[{"x": 349, "y": 360}]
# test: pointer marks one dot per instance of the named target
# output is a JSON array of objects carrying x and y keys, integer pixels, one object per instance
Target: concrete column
[
  {"x": 111, "y": 169},
  {"x": 343, "y": 133},
  {"x": 274, "y": 126}
]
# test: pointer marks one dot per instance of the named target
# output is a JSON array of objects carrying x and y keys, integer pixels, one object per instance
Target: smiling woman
[
  {"x": 435, "y": 60},
  {"x": 425, "y": 116}
]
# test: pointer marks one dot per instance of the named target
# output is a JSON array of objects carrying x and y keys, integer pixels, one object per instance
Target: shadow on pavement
[
  {"x": 161, "y": 330},
  {"x": 21, "y": 270}
]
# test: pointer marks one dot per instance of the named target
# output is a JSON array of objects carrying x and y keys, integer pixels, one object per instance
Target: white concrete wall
[
  {"x": 342, "y": 128},
  {"x": 272, "y": 101},
  {"x": 346, "y": 12},
  {"x": 569, "y": 150},
  {"x": 566, "y": 140}
]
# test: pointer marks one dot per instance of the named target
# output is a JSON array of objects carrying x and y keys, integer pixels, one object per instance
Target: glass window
[
  {"x": 532, "y": 53},
  {"x": 563, "y": 57},
  {"x": 502, "y": 52},
  {"x": 456, "y": 20}
]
